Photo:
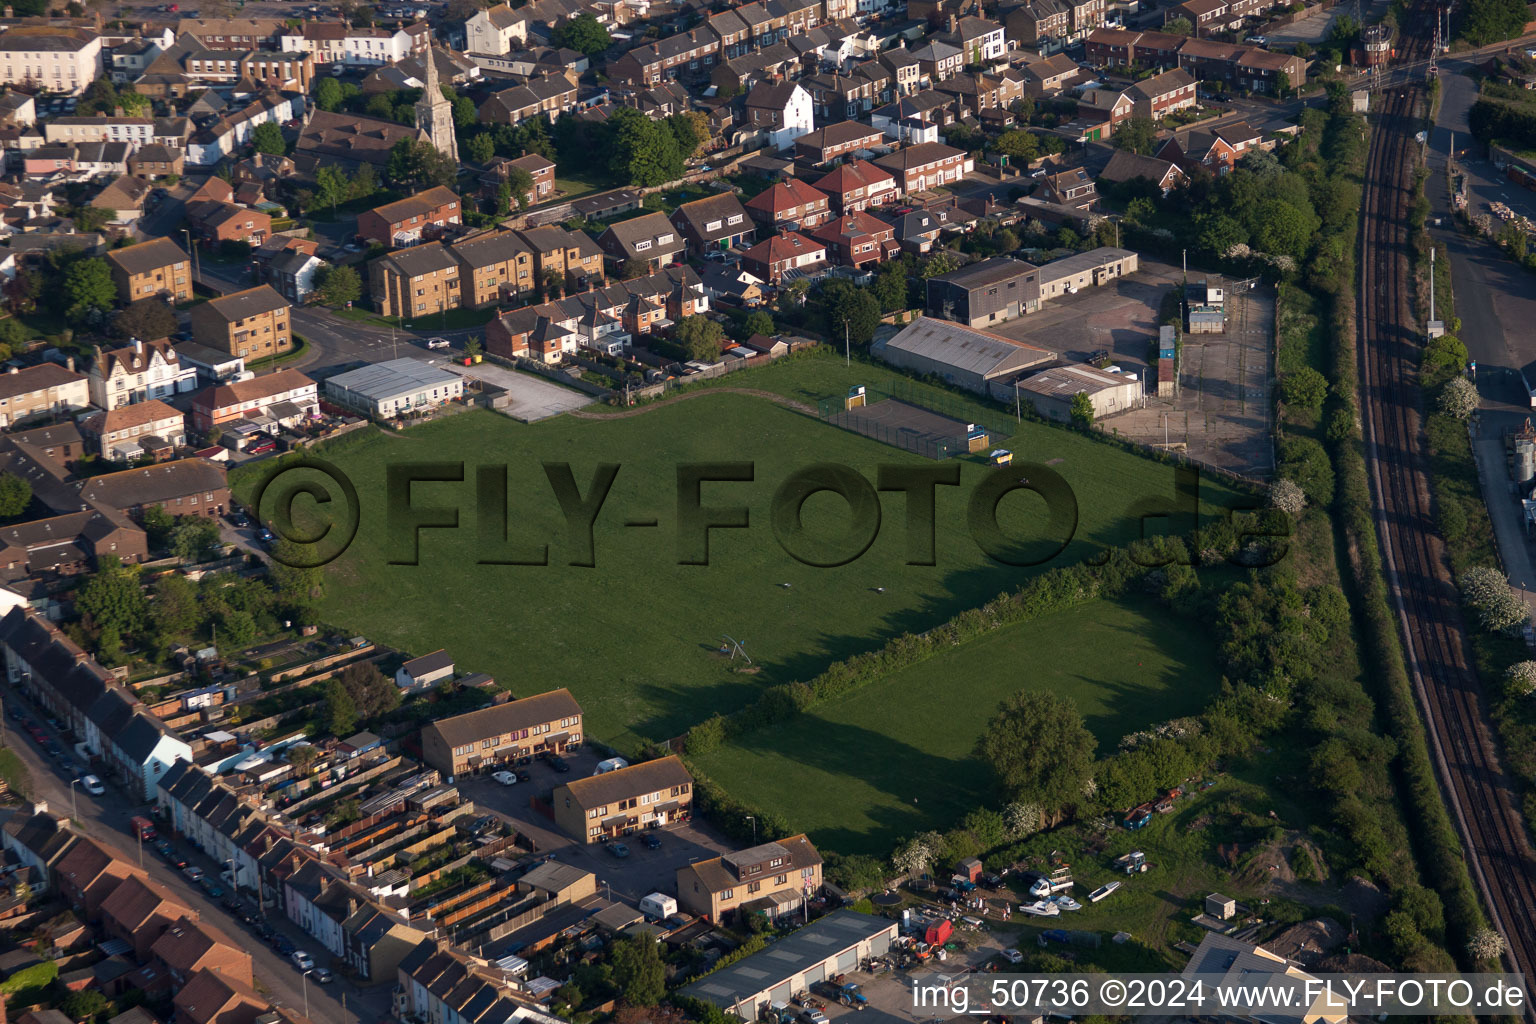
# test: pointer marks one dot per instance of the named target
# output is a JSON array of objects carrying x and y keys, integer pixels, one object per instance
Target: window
[
  {"x": 642, "y": 246},
  {"x": 728, "y": 894}
]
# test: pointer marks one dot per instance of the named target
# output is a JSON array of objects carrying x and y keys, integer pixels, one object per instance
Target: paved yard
[
  {"x": 1221, "y": 416},
  {"x": 643, "y": 872},
  {"x": 532, "y": 397}
]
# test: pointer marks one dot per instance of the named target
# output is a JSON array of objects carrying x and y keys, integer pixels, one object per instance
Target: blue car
[{"x": 619, "y": 850}]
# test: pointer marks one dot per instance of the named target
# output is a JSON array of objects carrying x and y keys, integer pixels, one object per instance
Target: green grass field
[
  {"x": 636, "y": 637},
  {"x": 854, "y": 773}
]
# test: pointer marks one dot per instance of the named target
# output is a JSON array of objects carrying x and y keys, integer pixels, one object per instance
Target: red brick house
[
  {"x": 790, "y": 205},
  {"x": 775, "y": 257},
  {"x": 858, "y": 239},
  {"x": 858, "y": 185},
  {"x": 926, "y": 165},
  {"x": 414, "y": 219},
  {"x": 1160, "y": 95},
  {"x": 835, "y": 140},
  {"x": 1199, "y": 149},
  {"x": 216, "y": 222}
]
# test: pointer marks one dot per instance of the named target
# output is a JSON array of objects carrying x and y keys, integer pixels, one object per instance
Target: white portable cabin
[{"x": 658, "y": 905}]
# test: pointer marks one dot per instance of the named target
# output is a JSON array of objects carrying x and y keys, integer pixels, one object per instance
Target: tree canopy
[
  {"x": 1039, "y": 749},
  {"x": 701, "y": 337},
  {"x": 15, "y": 495},
  {"x": 584, "y": 34},
  {"x": 268, "y": 138},
  {"x": 146, "y": 318}
]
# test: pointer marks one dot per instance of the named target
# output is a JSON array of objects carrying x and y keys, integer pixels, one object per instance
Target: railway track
[{"x": 1462, "y": 739}]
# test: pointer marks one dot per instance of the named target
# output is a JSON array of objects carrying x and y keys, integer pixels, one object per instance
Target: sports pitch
[
  {"x": 856, "y": 772},
  {"x": 636, "y": 637}
]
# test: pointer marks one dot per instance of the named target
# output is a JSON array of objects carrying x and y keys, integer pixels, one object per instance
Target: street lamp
[
  {"x": 74, "y": 799},
  {"x": 754, "y": 829},
  {"x": 304, "y": 978}
]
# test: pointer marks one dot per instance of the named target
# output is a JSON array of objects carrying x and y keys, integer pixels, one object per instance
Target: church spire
[{"x": 434, "y": 113}]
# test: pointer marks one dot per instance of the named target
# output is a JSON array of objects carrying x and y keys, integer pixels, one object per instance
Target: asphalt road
[{"x": 105, "y": 818}]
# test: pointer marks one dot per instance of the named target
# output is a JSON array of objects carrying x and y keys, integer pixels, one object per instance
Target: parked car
[
  {"x": 523, "y": 776},
  {"x": 505, "y": 778},
  {"x": 262, "y": 448},
  {"x": 302, "y": 960},
  {"x": 1013, "y": 956},
  {"x": 619, "y": 850},
  {"x": 212, "y": 888},
  {"x": 437, "y": 343},
  {"x": 193, "y": 872},
  {"x": 559, "y": 764},
  {"x": 483, "y": 824},
  {"x": 652, "y": 841},
  {"x": 322, "y": 975}
]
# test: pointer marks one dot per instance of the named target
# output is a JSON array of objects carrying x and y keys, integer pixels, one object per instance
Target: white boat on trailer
[
  {"x": 1041, "y": 908},
  {"x": 1102, "y": 891}
]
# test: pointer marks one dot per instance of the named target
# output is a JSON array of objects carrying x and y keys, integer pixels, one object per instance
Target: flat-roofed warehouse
[
  {"x": 961, "y": 355},
  {"x": 1085, "y": 270},
  {"x": 1051, "y": 391},
  {"x": 394, "y": 387},
  {"x": 829, "y": 945}
]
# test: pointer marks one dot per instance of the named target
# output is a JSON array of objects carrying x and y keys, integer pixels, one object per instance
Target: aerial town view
[{"x": 767, "y": 511}]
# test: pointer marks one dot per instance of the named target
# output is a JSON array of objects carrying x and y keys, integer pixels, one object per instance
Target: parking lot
[
  {"x": 531, "y": 397},
  {"x": 642, "y": 872},
  {"x": 1221, "y": 413}
]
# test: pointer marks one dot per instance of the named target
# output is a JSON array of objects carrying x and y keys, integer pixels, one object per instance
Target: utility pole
[
  {"x": 847, "y": 349},
  {"x": 1431, "y": 284}
]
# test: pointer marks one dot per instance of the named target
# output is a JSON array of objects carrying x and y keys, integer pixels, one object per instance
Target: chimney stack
[
  {"x": 954, "y": 23},
  {"x": 69, "y": 362},
  {"x": 138, "y": 347}
]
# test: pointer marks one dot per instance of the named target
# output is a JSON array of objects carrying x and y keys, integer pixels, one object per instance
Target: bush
[
  {"x": 1305, "y": 389},
  {"x": 1306, "y": 462}
]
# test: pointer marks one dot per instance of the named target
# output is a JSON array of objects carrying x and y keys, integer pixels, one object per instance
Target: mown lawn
[
  {"x": 636, "y": 636},
  {"x": 895, "y": 757}
]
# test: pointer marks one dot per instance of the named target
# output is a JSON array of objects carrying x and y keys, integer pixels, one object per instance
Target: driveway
[{"x": 643, "y": 872}]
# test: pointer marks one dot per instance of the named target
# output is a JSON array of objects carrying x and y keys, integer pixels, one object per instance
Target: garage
[{"x": 834, "y": 943}]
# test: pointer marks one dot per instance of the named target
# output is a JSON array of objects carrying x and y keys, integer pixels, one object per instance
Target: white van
[{"x": 613, "y": 764}]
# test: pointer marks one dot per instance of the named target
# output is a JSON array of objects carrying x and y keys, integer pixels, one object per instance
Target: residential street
[{"x": 105, "y": 819}]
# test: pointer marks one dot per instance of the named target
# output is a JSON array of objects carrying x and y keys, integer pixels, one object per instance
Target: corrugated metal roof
[{"x": 961, "y": 347}]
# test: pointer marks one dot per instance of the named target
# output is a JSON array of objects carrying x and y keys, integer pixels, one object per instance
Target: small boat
[
  {"x": 1041, "y": 908},
  {"x": 1066, "y": 902},
  {"x": 1102, "y": 891}
]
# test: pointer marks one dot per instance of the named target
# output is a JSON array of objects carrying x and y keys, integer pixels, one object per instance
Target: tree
[
  {"x": 638, "y": 970},
  {"x": 195, "y": 538},
  {"x": 1282, "y": 84},
  {"x": 759, "y": 321},
  {"x": 1022, "y": 819},
  {"x": 113, "y": 597},
  {"x": 690, "y": 130},
  {"x": 1081, "y": 411},
  {"x": 1305, "y": 389},
  {"x": 337, "y": 286},
  {"x": 1179, "y": 26},
  {"x": 328, "y": 95},
  {"x": 521, "y": 183},
  {"x": 419, "y": 163},
  {"x": 175, "y": 613},
  {"x": 482, "y": 148},
  {"x": 331, "y": 186},
  {"x": 890, "y": 286},
  {"x": 302, "y": 755},
  {"x": 915, "y": 855},
  {"x": 1459, "y": 398},
  {"x": 1445, "y": 354},
  {"x": 268, "y": 138},
  {"x": 340, "y": 711},
  {"x": 1019, "y": 146},
  {"x": 1521, "y": 678},
  {"x": 146, "y": 318},
  {"x": 83, "y": 1005},
  {"x": 296, "y": 585},
  {"x": 1486, "y": 592},
  {"x": 372, "y": 692},
  {"x": 849, "y": 312},
  {"x": 158, "y": 524},
  {"x": 1039, "y": 749},
  {"x": 15, "y": 495},
  {"x": 1306, "y": 462},
  {"x": 1288, "y": 497},
  {"x": 701, "y": 337},
  {"x": 642, "y": 151},
  {"x": 1136, "y": 135},
  {"x": 1492, "y": 21},
  {"x": 584, "y": 34},
  {"x": 1486, "y": 945},
  {"x": 1282, "y": 228},
  {"x": 88, "y": 290},
  {"x": 634, "y": 268}
]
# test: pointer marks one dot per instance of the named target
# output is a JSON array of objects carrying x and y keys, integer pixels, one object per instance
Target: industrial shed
[
  {"x": 830, "y": 945},
  {"x": 1051, "y": 391},
  {"x": 963, "y": 356},
  {"x": 1085, "y": 270}
]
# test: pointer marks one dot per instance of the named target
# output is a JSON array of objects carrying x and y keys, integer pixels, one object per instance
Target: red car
[{"x": 262, "y": 447}]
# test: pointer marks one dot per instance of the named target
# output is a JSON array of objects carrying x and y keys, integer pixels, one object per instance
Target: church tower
[{"x": 434, "y": 114}]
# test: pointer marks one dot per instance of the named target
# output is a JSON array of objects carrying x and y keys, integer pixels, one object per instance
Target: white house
[
  {"x": 138, "y": 371},
  {"x": 781, "y": 109},
  {"x": 367, "y": 47},
  {"x": 53, "y": 60},
  {"x": 420, "y": 673},
  {"x": 496, "y": 30},
  {"x": 302, "y": 891},
  {"x": 229, "y": 133},
  {"x": 144, "y": 751}
]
